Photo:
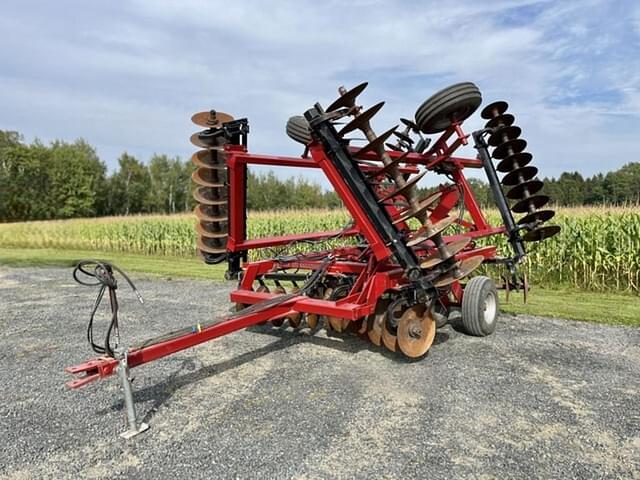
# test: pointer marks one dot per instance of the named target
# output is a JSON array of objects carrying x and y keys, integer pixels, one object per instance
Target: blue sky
[{"x": 128, "y": 75}]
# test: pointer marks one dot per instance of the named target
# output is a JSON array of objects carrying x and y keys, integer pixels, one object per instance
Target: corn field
[{"x": 597, "y": 249}]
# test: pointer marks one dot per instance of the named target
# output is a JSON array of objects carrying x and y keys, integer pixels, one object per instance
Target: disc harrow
[
  {"x": 403, "y": 263},
  {"x": 520, "y": 176}
]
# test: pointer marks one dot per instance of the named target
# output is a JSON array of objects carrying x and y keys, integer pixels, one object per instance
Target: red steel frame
[{"x": 373, "y": 277}]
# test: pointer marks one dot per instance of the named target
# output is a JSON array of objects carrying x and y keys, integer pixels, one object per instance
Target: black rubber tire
[
  {"x": 456, "y": 102},
  {"x": 298, "y": 129},
  {"x": 479, "y": 295}
]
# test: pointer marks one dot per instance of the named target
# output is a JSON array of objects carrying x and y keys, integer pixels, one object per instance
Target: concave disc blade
[
  {"x": 201, "y": 198},
  {"x": 511, "y": 147},
  {"x": 464, "y": 268},
  {"x": 361, "y": 120},
  {"x": 519, "y": 175},
  {"x": 209, "y": 249},
  {"x": 504, "y": 134},
  {"x": 199, "y": 142},
  {"x": 404, "y": 137},
  {"x": 541, "y": 233},
  {"x": 388, "y": 168},
  {"x": 406, "y": 187},
  {"x": 494, "y": 109},
  {"x": 277, "y": 322},
  {"x": 348, "y": 99},
  {"x": 514, "y": 161},
  {"x": 203, "y": 215},
  {"x": 416, "y": 331},
  {"x": 536, "y": 201},
  {"x": 454, "y": 247},
  {"x": 377, "y": 322},
  {"x": 531, "y": 186},
  {"x": 504, "y": 120},
  {"x": 436, "y": 228},
  {"x": 375, "y": 145},
  {"x": 539, "y": 216},
  {"x": 210, "y": 233},
  {"x": 294, "y": 319},
  {"x": 210, "y": 119},
  {"x": 209, "y": 159},
  {"x": 425, "y": 204},
  {"x": 197, "y": 177}
]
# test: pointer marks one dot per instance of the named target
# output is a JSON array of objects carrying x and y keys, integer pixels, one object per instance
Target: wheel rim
[{"x": 490, "y": 307}]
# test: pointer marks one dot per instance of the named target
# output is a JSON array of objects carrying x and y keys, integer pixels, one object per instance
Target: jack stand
[{"x": 132, "y": 422}]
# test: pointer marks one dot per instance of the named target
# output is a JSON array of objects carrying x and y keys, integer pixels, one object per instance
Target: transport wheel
[
  {"x": 298, "y": 129},
  {"x": 452, "y": 104},
  {"x": 480, "y": 306}
]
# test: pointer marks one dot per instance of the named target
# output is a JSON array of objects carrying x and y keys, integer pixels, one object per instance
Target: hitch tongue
[{"x": 91, "y": 371}]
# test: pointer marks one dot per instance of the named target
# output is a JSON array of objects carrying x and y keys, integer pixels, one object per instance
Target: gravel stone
[{"x": 540, "y": 398}]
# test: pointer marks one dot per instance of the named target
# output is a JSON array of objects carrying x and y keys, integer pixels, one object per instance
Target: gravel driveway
[{"x": 541, "y": 398}]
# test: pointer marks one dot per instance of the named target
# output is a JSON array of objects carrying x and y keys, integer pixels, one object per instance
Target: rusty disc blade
[
  {"x": 520, "y": 191},
  {"x": 519, "y": 175},
  {"x": 312, "y": 320},
  {"x": 406, "y": 187},
  {"x": 362, "y": 120},
  {"x": 352, "y": 326},
  {"x": 295, "y": 319},
  {"x": 462, "y": 269},
  {"x": 200, "y": 197},
  {"x": 377, "y": 319},
  {"x": 416, "y": 331},
  {"x": 202, "y": 143},
  {"x": 198, "y": 178},
  {"x": 210, "y": 119},
  {"x": 280, "y": 291},
  {"x": 389, "y": 336},
  {"x": 539, "y": 216},
  {"x": 436, "y": 228},
  {"x": 504, "y": 134},
  {"x": 534, "y": 202},
  {"x": 404, "y": 137},
  {"x": 336, "y": 323},
  {"x": 389, "y": 167},
  {"x": 210, "y": 249},
  {"x": 409, "y": 123},
  {"x": 503, "y": 120},
  {"x": 201, "y": 230},
  {"x": 393, "y": 147},
  {"x": 435, "y": 258},
  {"x": 511, "y": 147},
  {"x": 541, "y": 233},
  {"x": 425, "y": 204},
  {"x": 348, "y": 99},
  {"x": 515, "y": 161},
  {"x": 201, "y": 214},
  {"x": 375, "y": 145},
  {"x": 209, "y": 159},
  {"x": 494, "y": 109}
]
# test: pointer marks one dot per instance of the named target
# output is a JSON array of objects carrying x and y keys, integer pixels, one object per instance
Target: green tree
[
  {"x": 77, "y": 178},
  {"x": 128, "y": 186}
]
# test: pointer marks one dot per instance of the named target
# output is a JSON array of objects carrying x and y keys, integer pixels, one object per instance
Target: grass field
[{"x": 611, "y": 308}]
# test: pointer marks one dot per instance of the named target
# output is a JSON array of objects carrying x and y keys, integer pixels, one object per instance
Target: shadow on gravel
[{"x": 162, "y": 392}]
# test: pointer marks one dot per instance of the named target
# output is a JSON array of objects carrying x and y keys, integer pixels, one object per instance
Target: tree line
[{"x": 67, "y": 180}]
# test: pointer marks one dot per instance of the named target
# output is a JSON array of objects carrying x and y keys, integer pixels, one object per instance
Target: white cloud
[{"x": 128, "y": 76}]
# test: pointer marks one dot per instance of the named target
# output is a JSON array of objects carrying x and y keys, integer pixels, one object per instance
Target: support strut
[{"x": 501, "y": 202}]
